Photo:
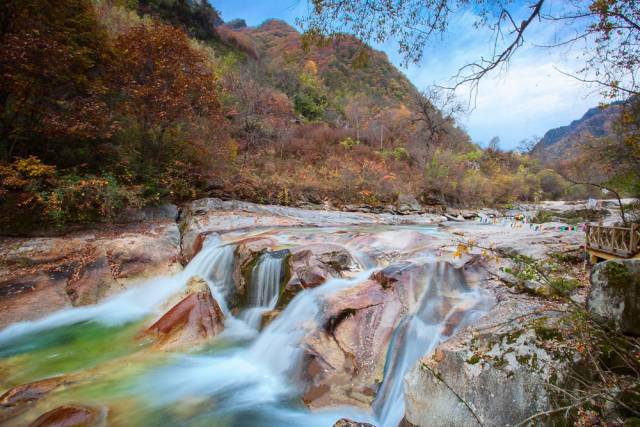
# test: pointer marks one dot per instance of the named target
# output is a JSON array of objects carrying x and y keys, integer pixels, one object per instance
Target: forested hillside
[
  {"x": 108, "y": 104},
  {"x": 564, "y": 142}
]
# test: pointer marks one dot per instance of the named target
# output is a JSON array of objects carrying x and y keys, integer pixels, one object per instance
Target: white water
[
  {"x": 262, "y": 378},
  {"x": 214, "y": 263},
  {"x": 419, "y": 333},
  {"x": 261, "y": 374},
  {"x": 266, "y": 278}
]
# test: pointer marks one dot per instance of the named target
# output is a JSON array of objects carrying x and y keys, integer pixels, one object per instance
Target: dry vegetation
[{"x": 111, "y": 103}]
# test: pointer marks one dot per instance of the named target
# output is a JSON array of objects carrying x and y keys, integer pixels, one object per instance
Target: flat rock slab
[{"x": 208, "y": 216}]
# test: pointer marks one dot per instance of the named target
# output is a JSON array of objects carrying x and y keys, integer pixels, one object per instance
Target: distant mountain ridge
[
  {"x": 346, "y": 65},
  {"x": 562, "y": 142}
]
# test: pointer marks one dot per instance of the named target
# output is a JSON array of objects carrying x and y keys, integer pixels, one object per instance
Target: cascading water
[
  {"x": 266, "y": 278},
  {"x": 255, "y": 382},
  {"x": 214, "y": 263},
  {"x": 447, "y": 304}
]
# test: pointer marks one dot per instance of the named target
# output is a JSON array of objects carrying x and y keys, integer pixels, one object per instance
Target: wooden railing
[{"x": 623, "y": 242}]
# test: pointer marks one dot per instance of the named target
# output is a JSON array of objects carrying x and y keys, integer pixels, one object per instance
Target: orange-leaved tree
[
  {"x": 51, "y": 56},
  {"x": 169, "y": 97}
]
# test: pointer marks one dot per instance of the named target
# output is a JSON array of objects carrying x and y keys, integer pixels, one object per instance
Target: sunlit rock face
[
  {"x": 42, "y": 275},
  {"x": 345, "y": 359},
  {"x": 193, "y": 321}
]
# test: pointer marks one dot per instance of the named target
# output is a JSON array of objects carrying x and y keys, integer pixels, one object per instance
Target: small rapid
[
  {"x": 252, "y": 376},
  {"x": 446, "y": 305},
  {"x": 214, "y": 263},
  {"x": 266, "y": 278}
]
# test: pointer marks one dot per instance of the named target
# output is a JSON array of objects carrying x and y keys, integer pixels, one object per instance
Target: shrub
[
  {"x": 348, "y": 143},
  {"x": 35, "y": 195}
]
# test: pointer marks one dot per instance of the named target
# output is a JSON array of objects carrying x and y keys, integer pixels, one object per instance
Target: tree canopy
[{"x": 606, "y": 31}]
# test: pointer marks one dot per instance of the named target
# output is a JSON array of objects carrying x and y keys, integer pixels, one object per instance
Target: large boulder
[
  {"x": 406, "y": 203},
  {"x": 344, "y": 359},
  {"x": 42, "y": 275},
  {"x": 615, "y": 294},
  {"x": 192, "y": 322},
  {"x": 494, "y": 374},
  {"x": 312, "y": 265}
]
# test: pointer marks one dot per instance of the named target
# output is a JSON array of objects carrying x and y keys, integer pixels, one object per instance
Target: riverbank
[{"x": 337, "y": 307}]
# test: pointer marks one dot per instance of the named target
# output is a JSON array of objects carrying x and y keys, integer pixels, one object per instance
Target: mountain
[
  {"x": 561, "y": 142},
  {"x": 153, "y": 101},
  {"x": 345, "y": 65}
]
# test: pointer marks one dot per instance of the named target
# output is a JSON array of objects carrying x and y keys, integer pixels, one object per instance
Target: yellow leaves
[
  {"x": 461, "y": 250},
  {"x": 32, "y": 167},
  {"x": 311, "y": 67}
]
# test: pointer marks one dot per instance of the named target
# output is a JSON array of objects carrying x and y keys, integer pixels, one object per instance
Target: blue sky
[{"x": 528, "y": 98}]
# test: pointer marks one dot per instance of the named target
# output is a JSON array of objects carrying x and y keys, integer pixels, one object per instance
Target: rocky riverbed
[{"x": 242, "y": 314}]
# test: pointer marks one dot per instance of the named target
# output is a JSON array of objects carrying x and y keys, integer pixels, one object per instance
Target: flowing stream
[
  {"x": 266, "y": 277},
  {"x": 246, "y": 377}
]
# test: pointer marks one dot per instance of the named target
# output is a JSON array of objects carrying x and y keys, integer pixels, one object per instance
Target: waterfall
[
  {"x": 446, "y": 305},
  {"x": 257, "y": 379},
  {"x": 253, "y": 376},
  {"x": 264, "y": 289},
  {"x": 214, "y": 263}
]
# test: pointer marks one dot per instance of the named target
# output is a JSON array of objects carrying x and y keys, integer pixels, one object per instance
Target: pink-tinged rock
[
  {"x": 190, "y": 323},
  {"x": 344, "y": 359},
  {"x": 312, "y": 265},
  {"x": 42, "y": 275},
  {"x": 20, "y": 398},
  {"x": 207, "y": 216},
  {"x": 69, "y": 416}
]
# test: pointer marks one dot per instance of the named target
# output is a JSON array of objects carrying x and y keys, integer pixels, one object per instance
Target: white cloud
[{"x": 527, "y": 98}]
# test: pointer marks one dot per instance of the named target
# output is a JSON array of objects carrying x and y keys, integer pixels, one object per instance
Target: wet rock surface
[
  {"x": 20, "y": 398},
  {"x": 41, "y": 275},
  {"x": 344, "y": 360},
  {"x": 615, "y": 294},
  {"x": 190, "y": 323},
  {"x": 246, "y": 256},
  {"x": 207, "y": 216},
  {"x": 492, "y": 374},
  {"x": 312, "y": 265},
  {"x": 68, "y": 416}
]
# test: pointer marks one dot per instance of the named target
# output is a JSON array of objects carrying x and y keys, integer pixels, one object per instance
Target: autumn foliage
[{"x": 112, "y": 104}]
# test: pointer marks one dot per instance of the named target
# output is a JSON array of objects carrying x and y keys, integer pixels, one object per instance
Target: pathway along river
[{"x": 245, "y": 377}]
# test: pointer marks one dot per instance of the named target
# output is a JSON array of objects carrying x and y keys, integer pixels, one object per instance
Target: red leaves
[{"x": 163, "y": 78}]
